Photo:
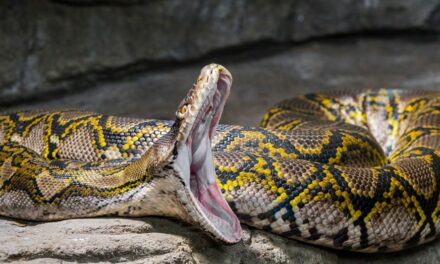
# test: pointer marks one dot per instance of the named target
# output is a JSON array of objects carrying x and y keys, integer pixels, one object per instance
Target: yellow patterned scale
[{"x": 347, "y": 170}]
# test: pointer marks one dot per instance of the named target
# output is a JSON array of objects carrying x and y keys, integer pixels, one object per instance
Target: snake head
[{"x": 190, "y": 158}]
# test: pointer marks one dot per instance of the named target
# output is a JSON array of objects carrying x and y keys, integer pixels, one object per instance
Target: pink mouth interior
[{"x": 203, "y": 183}]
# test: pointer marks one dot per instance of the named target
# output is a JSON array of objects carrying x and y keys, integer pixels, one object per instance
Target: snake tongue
[{"x": 194, "y": 163}]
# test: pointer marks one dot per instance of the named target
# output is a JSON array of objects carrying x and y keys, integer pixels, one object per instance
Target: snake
[{"x": 354, "y": 170}]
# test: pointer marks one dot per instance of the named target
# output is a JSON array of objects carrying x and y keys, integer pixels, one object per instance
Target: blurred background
[{"x": 139, "y": 57}]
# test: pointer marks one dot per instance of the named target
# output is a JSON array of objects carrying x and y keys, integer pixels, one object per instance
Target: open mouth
[{"x": 194, "y": 162}]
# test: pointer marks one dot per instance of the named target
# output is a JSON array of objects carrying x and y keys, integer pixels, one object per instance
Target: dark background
[{"x": 138, "y": 58}]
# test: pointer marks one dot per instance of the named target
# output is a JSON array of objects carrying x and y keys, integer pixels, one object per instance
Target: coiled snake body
[{"x": 347, "y": 170}]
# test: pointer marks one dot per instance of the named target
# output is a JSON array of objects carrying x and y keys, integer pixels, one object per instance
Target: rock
[
  {"x": 138, "y": 240},
  {"x": 321, "y": 17},
  {"x": 70, "y": 45},
  {"x": 156, "y": 240}
]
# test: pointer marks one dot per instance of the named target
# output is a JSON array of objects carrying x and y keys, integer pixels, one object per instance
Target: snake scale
[{"x": 348, "y": 170}]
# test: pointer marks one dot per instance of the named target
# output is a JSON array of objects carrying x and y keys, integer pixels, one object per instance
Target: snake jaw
[{"x": 196, "y": 119}]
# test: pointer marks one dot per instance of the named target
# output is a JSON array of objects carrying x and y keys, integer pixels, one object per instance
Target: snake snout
[{"x": 197, "y": 117}]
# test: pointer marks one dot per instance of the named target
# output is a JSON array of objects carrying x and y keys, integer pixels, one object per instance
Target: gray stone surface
[
  {"x": 142, "y": 240},
  {"x": 156, "y": 240},
  {"x": 69, "y": 45}
]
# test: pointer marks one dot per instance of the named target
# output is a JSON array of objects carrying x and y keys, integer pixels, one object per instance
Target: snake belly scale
[{"x": 353, "y": 170}]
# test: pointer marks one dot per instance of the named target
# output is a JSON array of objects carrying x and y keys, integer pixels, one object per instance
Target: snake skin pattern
[{"x": 347, "y": 170}]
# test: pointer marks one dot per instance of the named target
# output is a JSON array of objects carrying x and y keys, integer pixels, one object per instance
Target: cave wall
[{"x": 49, "y": 47}]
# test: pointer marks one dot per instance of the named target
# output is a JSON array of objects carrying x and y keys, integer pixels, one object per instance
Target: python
[{"x": 352, "y": 170}]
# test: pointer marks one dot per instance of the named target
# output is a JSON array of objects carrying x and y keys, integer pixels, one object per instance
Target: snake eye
[{"x": 182, "y": 111}]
